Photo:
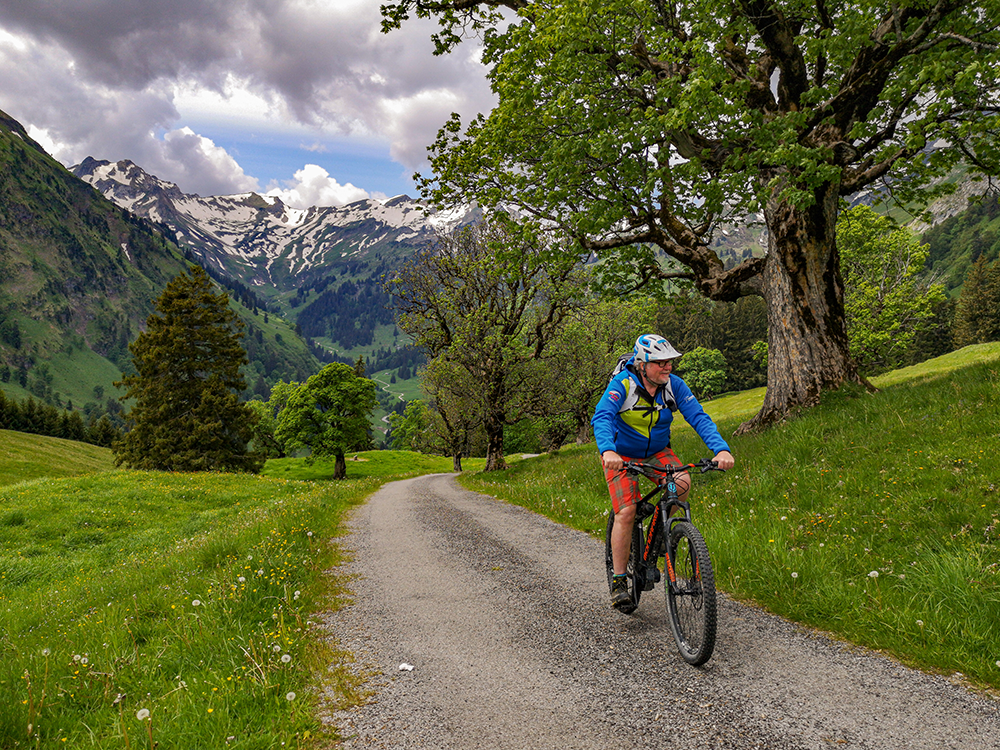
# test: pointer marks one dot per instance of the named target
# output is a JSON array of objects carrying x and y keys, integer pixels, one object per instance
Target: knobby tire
[{"x": 691, "y": 601}]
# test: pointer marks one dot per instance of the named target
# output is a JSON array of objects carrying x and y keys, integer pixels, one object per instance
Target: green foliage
[
  {"x": 887, "y": 298},
  {"x": 640, "y": 127},
  {"x": 959, "y": 241},
  {"x": 187, "y": 415},
  {"x": 888, "y": 543},
  {"x": 977, "y": 314},
  {"x": 413, "y": 429},
  {"x": 488, "y": 299},
  {"x": 736, "y": 329},
  {"x": 704, "y": 370},
  {"x": 328, "y": 415}
]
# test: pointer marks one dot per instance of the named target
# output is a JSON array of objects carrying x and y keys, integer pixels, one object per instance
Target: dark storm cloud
[{"x": 96, "y": 73}]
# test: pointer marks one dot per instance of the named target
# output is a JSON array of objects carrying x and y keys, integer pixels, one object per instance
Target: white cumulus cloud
[{"x": 313, "y": 186}]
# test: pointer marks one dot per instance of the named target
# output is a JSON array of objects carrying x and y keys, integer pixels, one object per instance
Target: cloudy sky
[{"x": 304, "y": 97}]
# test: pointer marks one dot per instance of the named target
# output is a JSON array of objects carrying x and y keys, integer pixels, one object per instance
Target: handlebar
[{"x": 703, "y": 465}]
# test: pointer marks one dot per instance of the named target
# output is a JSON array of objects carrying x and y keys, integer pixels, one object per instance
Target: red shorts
[{"x": 624, "y": 488}]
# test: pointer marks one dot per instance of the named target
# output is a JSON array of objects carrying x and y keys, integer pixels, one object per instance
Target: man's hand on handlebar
[
  {"x": 724, "y": 460},
  {"x": 612, "y": 461}
]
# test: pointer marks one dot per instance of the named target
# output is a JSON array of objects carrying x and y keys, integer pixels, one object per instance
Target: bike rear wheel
[
  {"x": 690, "y": 589},
  {"x": 632, "y": 570}
]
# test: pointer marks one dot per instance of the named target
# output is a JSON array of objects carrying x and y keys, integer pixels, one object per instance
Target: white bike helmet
[{"x": 652, "y": 348}]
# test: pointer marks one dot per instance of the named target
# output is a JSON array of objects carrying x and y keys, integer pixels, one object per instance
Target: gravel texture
[{"x": 503, "y": 616}]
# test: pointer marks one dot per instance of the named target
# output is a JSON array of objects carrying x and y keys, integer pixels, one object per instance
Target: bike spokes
[{"x": 690, "y": 594}]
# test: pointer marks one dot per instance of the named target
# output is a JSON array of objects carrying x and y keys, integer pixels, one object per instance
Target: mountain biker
[{"x": 632, "y": 423}]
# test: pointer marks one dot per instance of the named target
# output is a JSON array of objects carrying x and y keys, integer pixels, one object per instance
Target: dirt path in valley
[{"x": 503, "y": 616}]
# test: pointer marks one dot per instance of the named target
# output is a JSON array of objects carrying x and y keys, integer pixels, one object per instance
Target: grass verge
[{"x": 168, "y": 610}]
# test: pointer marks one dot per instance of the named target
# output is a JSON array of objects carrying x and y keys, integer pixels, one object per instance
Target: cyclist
[{"x": 632, "y": 423}]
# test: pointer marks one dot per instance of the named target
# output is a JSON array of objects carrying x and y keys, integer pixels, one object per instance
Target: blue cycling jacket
[{"x": 631, "y": 422}]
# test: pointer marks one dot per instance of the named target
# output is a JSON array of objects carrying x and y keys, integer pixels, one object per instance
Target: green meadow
[{"x": 175, "y": 610}]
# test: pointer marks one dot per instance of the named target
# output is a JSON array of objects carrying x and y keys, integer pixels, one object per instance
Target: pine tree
[
  {"x": 977, "y": 315},
  {"x": 186, "y": 413}
]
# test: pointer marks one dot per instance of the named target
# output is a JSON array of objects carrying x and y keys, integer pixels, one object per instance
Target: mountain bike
[{"x": 690, "y": 583}]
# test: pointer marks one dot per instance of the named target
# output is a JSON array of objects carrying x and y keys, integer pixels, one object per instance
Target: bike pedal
[{"x": 652, "y": 577}]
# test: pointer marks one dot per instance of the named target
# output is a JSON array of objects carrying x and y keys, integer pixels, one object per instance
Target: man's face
[{"x": 658, "y": 372}]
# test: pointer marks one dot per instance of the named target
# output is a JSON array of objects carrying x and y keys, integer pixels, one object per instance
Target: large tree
[
  {"x": 329, "y": 415},
  {"x": 644, "y": 124},
  {"x": 488, "y": 299},
  {"x": 186, "y": 413}
]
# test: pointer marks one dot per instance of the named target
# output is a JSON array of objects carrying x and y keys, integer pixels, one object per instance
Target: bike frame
[{"x": 662, "y": 520}]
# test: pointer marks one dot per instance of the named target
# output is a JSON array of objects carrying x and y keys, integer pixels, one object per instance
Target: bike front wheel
[{"x": 690, "y": 589}]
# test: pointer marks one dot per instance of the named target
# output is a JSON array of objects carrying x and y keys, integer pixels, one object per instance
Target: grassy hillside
[
  {"x": 875, "y": 516},
  {"x": 25, "y": 457}
]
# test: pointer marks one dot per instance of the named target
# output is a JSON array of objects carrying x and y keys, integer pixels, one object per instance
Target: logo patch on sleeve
[{"x": 615, "y": 396}]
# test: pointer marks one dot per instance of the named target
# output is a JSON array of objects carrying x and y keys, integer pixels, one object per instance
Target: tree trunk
[
  {"x": 495, "y": 397},
  {"x": 808, "y": 351},
  {"x": 340, "y": 467},
  {"x": 494, "y": 445},
  {"x": 456, "y": 462}
]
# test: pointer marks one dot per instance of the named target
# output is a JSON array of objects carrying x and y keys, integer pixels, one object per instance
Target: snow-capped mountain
[{"x": 261, "y": 240}]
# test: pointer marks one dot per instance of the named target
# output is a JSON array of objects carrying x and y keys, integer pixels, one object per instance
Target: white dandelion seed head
[
  {"x": 276, "y": 647},
  {"x": 794, "y": 574},
  {"x": 196, "y": 602},
  {"x": 290, "y": 696},
  {"x": 84, "y": 660},
  {"x": 873, "y": 574},
  {"x": 241, "y": 579},
  {"x": 920, "y": 623},
  {"x": 142, "y": 714},
  {"x": 285, "y": 658},
  {"x": 46, "y": 652},
  {"x": 309, "y": 533}
]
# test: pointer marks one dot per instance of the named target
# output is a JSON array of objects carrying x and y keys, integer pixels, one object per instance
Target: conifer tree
[
  {"x": 977, "y": 316},
  {"x": 186, "y": 413}
]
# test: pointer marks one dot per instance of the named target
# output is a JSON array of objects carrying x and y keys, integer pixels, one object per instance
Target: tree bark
[
  {"x": 808, "y": 350},
  {"x": 456, "y": 462},
  {"x": 340, "y": 467}
]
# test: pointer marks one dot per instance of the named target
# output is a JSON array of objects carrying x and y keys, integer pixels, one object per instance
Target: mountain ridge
[{"x": 259, "y": 239}]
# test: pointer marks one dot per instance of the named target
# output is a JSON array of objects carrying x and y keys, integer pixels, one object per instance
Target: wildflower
[
  {"x": 84, "y": 660},
  {"x": 290, "y": 696},
  {"x": 46, "y": 652},
  {"x": 920, "y": 623},
  {"x": 285, "y": 658},
  {"x": 784, "y": 518},
  {"x": 276, "y": 647},
  {"x": 794, "y": 574},
  {"x": 873, "y": 574},
  {"x": 309, "y": 533},
  {"x": 196, "y": 602},
  {"x": 241, "y": 579},
  {"x": 142, "y": 714}
]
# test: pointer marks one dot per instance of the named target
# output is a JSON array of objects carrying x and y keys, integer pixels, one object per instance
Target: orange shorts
[{"x": 624, "y": 488}]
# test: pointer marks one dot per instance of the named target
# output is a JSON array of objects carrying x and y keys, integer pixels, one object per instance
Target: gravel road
[{"x": 503, "y": 616}]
